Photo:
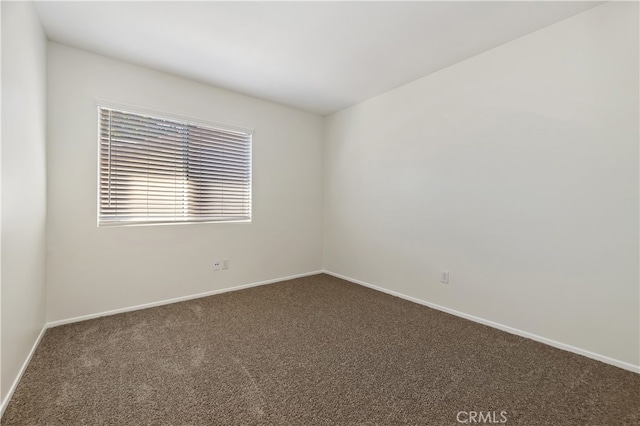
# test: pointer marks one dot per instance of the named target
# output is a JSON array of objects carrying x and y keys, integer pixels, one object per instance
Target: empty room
[{"x": 320, "y": 213}]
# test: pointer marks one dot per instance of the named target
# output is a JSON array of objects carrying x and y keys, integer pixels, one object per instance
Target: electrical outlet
[
  {"x": 444, "y": 277},
  {"x": 225, "y": 263},
  {"x": 217, "y": 265}
]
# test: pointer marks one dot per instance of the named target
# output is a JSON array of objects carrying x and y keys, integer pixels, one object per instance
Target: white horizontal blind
[{"x": 163, "y": 170}]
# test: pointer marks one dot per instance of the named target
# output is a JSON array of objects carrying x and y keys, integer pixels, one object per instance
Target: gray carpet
[{"x": 310, "y": 351}]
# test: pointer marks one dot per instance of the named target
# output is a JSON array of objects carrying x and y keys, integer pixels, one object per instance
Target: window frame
[{"x": 163, "y": 115}]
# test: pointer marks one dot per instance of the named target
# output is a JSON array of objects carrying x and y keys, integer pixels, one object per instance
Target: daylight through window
[{"x": 160, "y": 170}]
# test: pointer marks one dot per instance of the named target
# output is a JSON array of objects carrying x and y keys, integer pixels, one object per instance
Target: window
[{"x": 161, "y": 170}]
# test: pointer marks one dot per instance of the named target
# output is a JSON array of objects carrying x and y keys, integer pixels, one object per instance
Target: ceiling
[{"x": 315, "y": 56}]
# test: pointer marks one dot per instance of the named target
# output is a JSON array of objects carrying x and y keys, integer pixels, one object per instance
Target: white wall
[
  {"x": 23, "y": 185},
  {"x": 517, "y": 171},
  {"x": 92, "y": 270}
]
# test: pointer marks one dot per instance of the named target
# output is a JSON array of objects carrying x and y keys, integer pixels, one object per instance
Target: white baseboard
[
  {"x": 176, "y": 299},
  {"x": 555, "y": 344},
  {"x": 12, "y": 389}
]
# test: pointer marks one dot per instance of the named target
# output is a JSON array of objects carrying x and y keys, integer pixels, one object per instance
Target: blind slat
[{"x": 162, "y": 170}]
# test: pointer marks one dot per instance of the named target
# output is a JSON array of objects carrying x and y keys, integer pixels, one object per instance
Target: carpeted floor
[{"x": 310, "y": 351}]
